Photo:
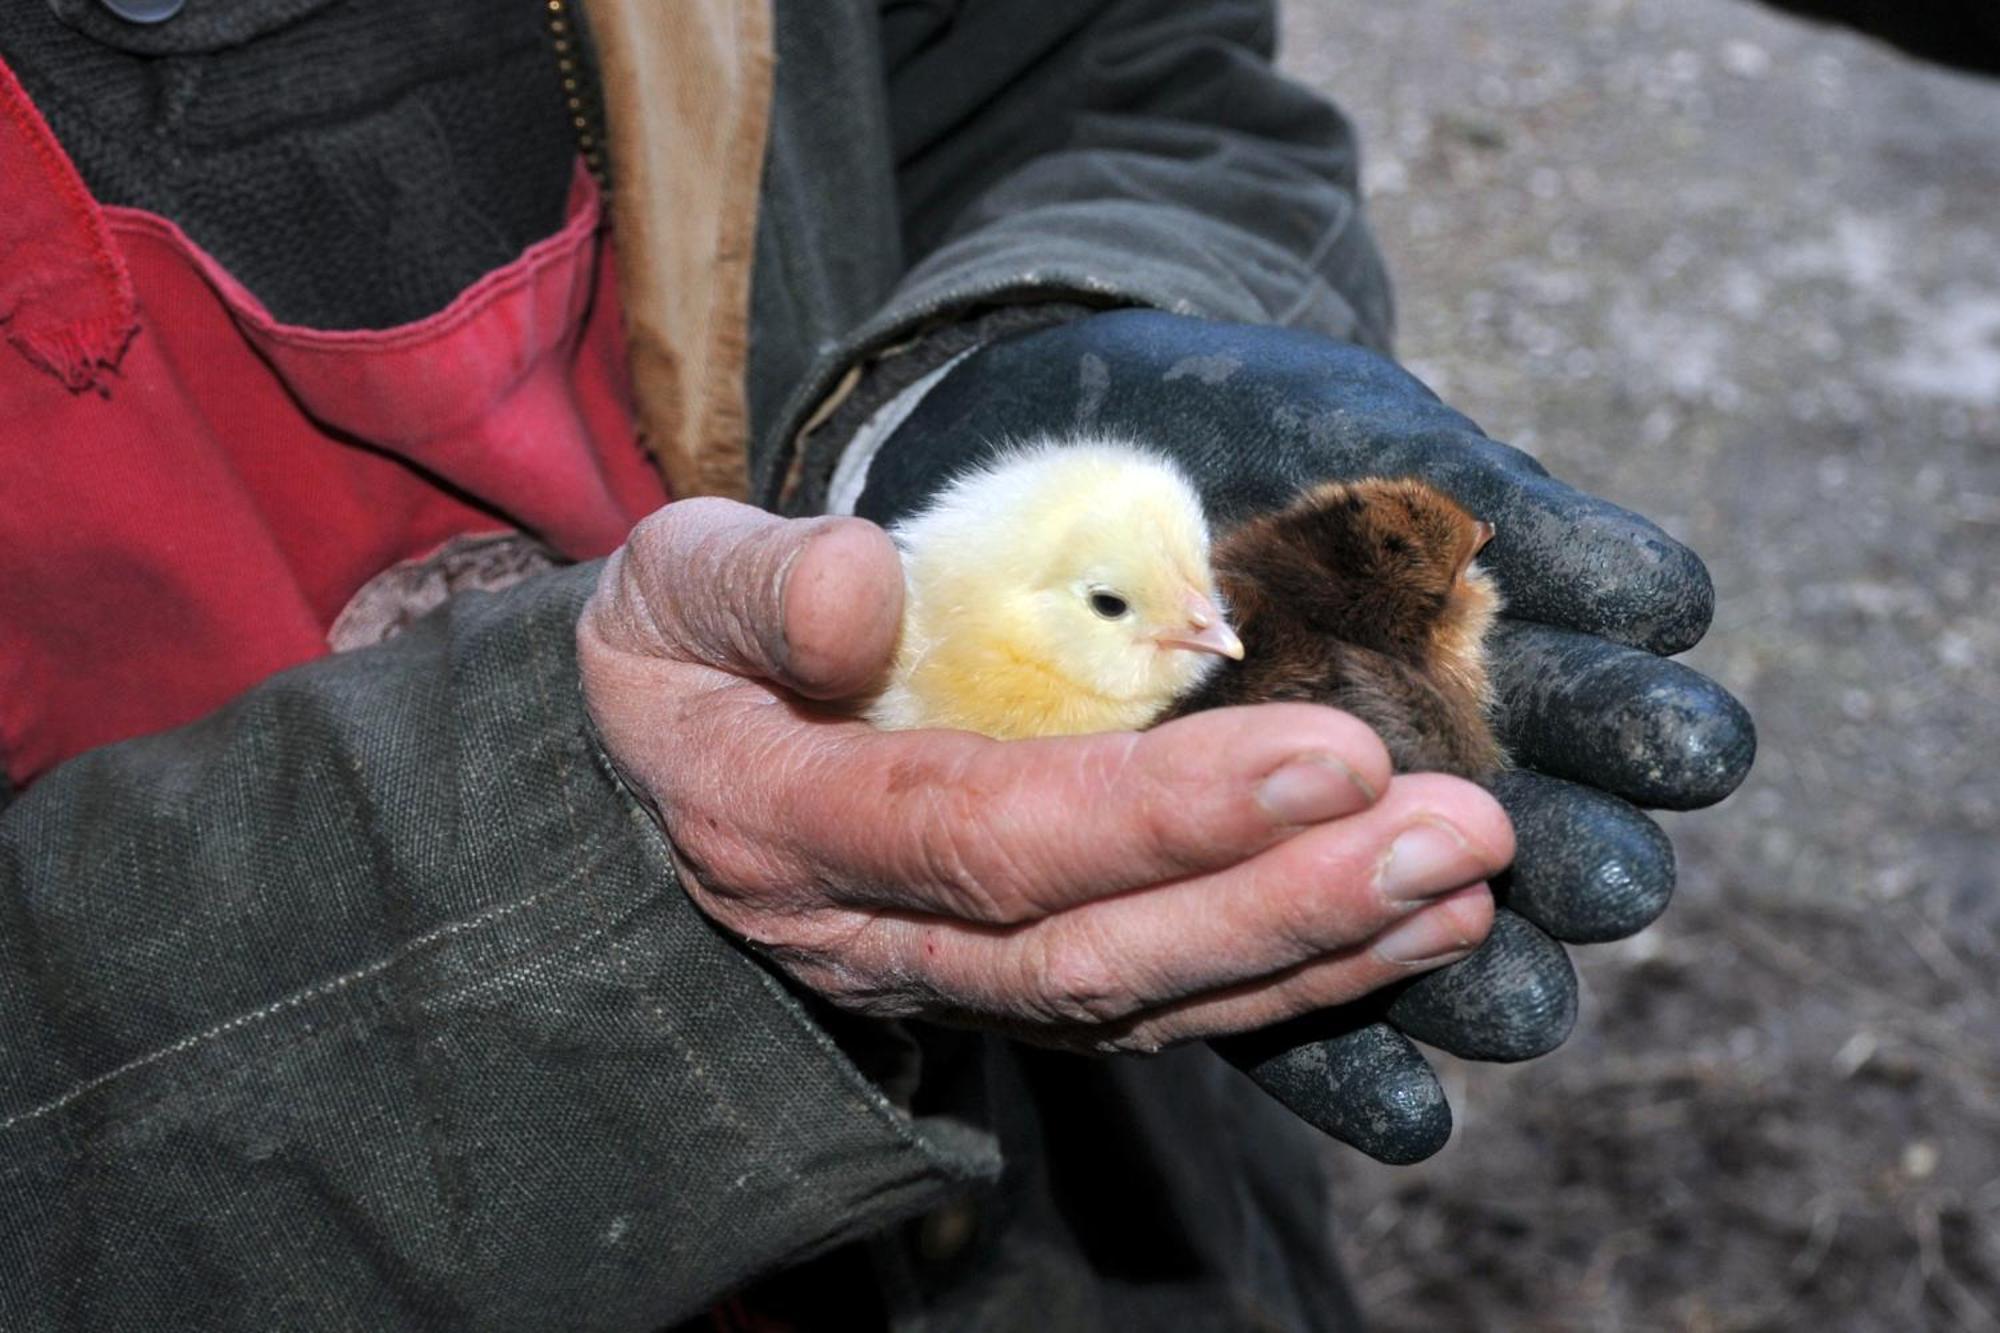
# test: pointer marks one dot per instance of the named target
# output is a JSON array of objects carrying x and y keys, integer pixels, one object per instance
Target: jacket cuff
[
  {"x": 1015, "y": 275},
  {"x": 380, "y": 976},
  {"x": 865, "y": 404}
]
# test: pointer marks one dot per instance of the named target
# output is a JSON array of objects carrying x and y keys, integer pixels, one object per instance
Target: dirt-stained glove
[{"x": 1597, "y": 719}]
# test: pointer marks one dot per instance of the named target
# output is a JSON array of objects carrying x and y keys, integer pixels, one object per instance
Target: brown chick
[{"x": 1365, "y": 595}]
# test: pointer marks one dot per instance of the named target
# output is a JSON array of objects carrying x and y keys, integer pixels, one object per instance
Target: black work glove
[{"x": 1598, "y": 721}]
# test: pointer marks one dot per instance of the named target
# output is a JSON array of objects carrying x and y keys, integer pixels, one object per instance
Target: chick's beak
[{"x": 1205, "y": 631}]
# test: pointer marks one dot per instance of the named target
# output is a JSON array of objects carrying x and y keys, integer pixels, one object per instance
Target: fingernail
[
  {"x": 1425, "y": 860},
  {"x": 1312, "y": 788},
  {"x": 1431, "y": 936},
  {"x": 771, "y": 632}
]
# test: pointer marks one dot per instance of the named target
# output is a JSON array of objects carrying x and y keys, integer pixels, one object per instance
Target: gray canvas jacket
[{"x": 371, "y": 1001}]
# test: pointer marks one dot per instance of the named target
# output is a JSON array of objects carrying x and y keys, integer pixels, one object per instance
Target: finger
[
  {"x": 809, "y": 604},
  {"x": 1355, "y": 898},
  {"x": 1652, "y": 731},
  {"x": 1361, "y": 1082},
  {"x": 1562, "y": 557},
  {"x": 1462, "y": 917},
  {"x": 1514, "y": 999},
  {"x": 1587, "y": 867},
  {"x": 968, "y": 828},
  {"x": 1572, "y": 560}
]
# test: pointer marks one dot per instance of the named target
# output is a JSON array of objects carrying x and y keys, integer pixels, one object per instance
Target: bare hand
[{"x": 1109, "y": 892}]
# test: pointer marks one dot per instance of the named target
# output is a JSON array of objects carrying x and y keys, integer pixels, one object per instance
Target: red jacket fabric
[{"x": 191, "y": 491}]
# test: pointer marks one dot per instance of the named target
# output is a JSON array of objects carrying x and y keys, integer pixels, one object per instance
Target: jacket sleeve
[
  {"x": 371, "y": 1001},
  {"x": 1116, "y": 153}
]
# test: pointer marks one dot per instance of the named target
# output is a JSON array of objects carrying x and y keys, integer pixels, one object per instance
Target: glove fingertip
[
  {"x": 1588, "y": 867},
  {"x": 1655, "y": 732},
  {"x": 1573, "y": 560},
  {"x": 1368, "y": 1087},
  {"x": 1515, "y": 998}
]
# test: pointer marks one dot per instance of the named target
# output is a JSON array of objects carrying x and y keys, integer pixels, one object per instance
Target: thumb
[{"x": 812, "y": 605}]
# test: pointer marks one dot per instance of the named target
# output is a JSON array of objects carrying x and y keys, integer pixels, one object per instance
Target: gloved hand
[{"x": 1592, "y": 712}]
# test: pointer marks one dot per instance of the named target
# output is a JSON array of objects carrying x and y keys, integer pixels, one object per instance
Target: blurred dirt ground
[{"x": 1742, "y": 274}]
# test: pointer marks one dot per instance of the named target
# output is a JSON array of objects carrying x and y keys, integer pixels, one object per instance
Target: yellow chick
[{"x": 1062, "y": 588}]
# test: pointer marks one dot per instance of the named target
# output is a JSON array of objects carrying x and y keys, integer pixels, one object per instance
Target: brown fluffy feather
[{"x": 1365, "y": 595}]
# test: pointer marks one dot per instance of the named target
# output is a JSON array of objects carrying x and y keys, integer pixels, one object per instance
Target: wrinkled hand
[
  {"x": 1599, "y": 721},
  {"x": 1110, "y": 892}
]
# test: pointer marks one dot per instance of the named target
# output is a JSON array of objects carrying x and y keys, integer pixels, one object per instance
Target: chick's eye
[{"x": 1108, "y": 604}]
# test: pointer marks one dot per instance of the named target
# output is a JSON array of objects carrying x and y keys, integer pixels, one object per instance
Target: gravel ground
[{"x": 1741, "y": 274}]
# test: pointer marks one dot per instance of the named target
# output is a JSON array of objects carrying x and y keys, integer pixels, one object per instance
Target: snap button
[{"x": 144, "y": 11}]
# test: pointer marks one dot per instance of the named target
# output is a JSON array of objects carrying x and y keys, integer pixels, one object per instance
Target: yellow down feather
[{"x": 1062, "y": 588}]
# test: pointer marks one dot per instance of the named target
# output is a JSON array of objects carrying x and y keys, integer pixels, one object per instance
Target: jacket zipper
[{"x": 565, "y": 34}]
